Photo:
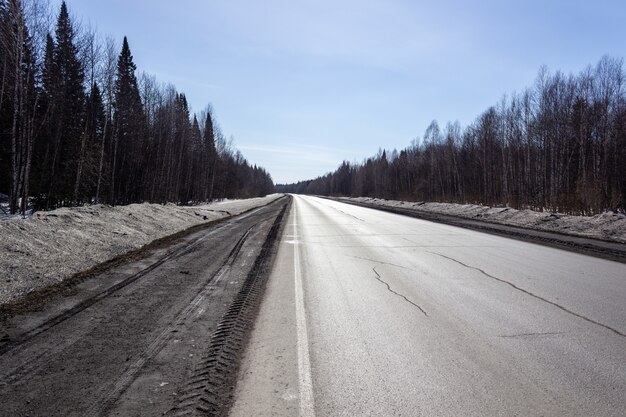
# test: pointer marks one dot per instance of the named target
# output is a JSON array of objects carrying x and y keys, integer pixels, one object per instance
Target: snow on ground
[
  {"x": 48, "y": 247},
  {"x": 5, "y": 213},
  {"x": 608, "y": 226}
]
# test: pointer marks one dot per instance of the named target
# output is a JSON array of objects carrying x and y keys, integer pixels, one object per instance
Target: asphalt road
[
  {"x": 131, "y": 340},
  {"x": 369, "y": 313}
]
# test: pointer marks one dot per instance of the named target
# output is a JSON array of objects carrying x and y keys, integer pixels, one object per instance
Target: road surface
[{"x": 369, "y": 313}]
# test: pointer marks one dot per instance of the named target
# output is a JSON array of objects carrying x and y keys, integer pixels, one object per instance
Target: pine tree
[
  {"x": 181, "y": 139},
  {"x": 195, "y": 176},
  {"x": 65, "y": 78},
  {"x": 129, "y": 122},
  {"x": 211, "y": 154}
]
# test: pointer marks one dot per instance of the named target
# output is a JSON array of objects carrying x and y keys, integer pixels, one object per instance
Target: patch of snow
[
  {"x": 50, "y": 246},
  {"x": 5, "y": 213}
]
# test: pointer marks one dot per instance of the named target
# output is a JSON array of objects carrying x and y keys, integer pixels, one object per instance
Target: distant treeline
[
  {"x": 560, "y": 145},
  {"x": 78, "y": 126}
]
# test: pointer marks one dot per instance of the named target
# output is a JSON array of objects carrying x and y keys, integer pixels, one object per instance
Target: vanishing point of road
[{"x": 368, "y": 313}]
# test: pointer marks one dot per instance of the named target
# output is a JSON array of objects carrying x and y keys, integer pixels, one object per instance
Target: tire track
[
  {"x": 110, "y": 394},
  {"x": 209, "y": 389}
]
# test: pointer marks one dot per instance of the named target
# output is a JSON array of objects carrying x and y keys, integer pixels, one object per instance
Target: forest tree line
[
  {"x": 77, "y": 125},
  {"x": 559, "y": 145}
]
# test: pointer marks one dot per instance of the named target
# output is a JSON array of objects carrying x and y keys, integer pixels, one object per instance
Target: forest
[
  {"x": 559, "y": 145},
  {"x": 78, "y": 125}
]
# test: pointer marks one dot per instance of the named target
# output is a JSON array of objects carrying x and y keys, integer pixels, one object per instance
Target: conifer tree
[
  {"x": 67, "y": 99},
  {"x": 195, "y": 180},
  {"x": 129, "y": 122},
  {"x": 211, "y": 153}
]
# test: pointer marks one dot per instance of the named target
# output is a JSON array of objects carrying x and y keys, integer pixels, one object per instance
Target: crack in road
[
  {"x": 381, "y": 262},
  {"x": 379, "y": 278},
  {"x": 533, "y": 295},
  {"x": 347, "y": 214},
  {"x": 530, "y": 334}
]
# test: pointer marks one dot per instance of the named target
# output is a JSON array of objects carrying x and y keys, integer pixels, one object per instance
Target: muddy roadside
[{"x": 143, "y": 348}]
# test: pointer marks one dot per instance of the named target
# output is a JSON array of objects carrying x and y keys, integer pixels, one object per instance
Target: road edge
[{"x": 613, "y": 251}]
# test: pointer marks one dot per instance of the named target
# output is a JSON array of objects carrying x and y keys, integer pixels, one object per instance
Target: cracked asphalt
[{"x": 369, "y": 313}]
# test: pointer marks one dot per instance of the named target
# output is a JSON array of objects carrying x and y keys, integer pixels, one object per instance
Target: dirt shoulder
[
  {"x": 49, "y": 247},
  {"x": 148, "y": 337},
  {"x": 603, "y": 235}
]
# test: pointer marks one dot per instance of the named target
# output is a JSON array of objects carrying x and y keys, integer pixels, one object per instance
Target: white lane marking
[{"x": 304, "y": 362}]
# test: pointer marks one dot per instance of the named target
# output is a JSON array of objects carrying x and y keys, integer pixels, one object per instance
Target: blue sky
[{"x": 304, "y": 84}]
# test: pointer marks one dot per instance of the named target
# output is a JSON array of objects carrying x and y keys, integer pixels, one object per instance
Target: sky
[{"x": 302, "y": 85}]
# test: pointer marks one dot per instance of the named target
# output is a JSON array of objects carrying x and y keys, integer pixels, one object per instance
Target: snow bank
[
  {"x": 609, "y": 226},
  {"x": 50, "y": 246}
]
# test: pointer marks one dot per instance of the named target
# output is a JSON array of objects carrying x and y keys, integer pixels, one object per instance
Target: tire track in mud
[
  {"x": 111, "y": 393},
  {"x": 209, "y": 390}
]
